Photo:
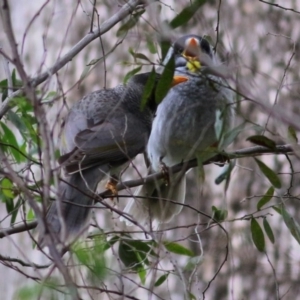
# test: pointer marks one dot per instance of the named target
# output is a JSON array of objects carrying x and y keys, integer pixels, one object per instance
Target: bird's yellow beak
[{"x": 192, "y": 53}]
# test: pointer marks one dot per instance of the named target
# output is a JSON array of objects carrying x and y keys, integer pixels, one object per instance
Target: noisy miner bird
[
  {"x": 104, "y": 130},
  {"x": 190, "y": 123}
]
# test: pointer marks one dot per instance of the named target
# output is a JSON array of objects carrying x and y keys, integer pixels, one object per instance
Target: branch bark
[
  {"x": 246, "y": 152},
  {"x": 125, "y": 11}
]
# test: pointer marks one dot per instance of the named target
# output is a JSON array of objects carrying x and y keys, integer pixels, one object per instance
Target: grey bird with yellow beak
[
  {"x": 102, "y": 132},
  {"x": 187, "y": 125}
]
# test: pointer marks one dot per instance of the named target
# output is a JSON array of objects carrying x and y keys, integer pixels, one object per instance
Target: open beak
[
  {"x": 192, "y": 48},
  {"x": 192, "y": 52}
]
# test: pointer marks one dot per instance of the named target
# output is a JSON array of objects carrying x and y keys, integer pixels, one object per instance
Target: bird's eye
[
  {"x": 205, "y": 46},
  {"x": 178, "y": 49}
]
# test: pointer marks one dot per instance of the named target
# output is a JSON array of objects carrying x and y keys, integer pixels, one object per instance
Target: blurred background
[{"x": 258, "y": 41}]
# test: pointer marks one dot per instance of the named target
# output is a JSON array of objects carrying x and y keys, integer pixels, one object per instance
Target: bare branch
[
  {"x": 279, "y": 6},
  {"x": 126, "y": 10},
  {"x": 22, "y": 263},
  {"x": 247, "y": 152}
]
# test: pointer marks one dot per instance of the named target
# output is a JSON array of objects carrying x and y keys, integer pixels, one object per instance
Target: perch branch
[{"x": 246, "y": 152}]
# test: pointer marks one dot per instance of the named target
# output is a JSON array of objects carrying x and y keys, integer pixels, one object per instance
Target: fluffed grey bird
[
  {"x": 190, "y": 123},
  {"x": 104, "y": 130}
]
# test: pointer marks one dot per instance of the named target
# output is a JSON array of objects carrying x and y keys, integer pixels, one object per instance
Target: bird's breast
[{"x": 184, "y": 124}]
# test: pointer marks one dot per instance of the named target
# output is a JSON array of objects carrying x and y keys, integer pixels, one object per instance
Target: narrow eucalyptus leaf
[
  {"x": 262, "y": 140},
  {"x": 266, "y": 198},
  {"x": 257, "y": 235},
  {"x": 186, "y": 14},
  {"x": 269, "y": 173},
  {"x": 269, "y": 230}
]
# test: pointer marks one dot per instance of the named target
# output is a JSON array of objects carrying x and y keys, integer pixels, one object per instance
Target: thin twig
[
  {"x": 125, "y": 10},
  {"x": 279, "y": 6},
  {"x": 217, "y": 27},
  {"x": 281, "y": 81},
  {"x": 252, "y": 151},
  {"x": 22, "y": 263}
]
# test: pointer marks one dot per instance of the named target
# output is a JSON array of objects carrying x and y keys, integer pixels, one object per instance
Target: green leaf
[
  {"x": 3, "y": 89},
  {"x": 165, "y": 46},
  {"x": 151, "y": 45},
  {"x": 10, "y": 139},
  {"x": 129, "y": 256},
  {"x": 129, "y": 24},
  {"x": 30, "y": 215},
  {"x": 108, "y": 244},
  {"x": 292, "y": 135},
  {"x": 262, "y": 141},
  {"x": 226, "y": 173},
  {"x": 148, "y": 90},
  {"x": 219, "y": 124},
  {"x": 50, "y": 98},
  {"x": 230, "y": 136},
  {"x": 192, "y": 296},
  {"x": 29, "y": 292},
  {"x": 24, "y": 106},
  {"x": 49, "y": 289},
  {"x": 194, "y": 262},
  {"x": 142, "y": 56},
  {"x": 17, "y": 121},
  {"x": 9, "y": 203},
  {"x": 266, "y": 198},
  {"x": 289, "y": 221},
  {"x": 15, "y": 211},
  {"x": 200, "y": 168},
  {"x": 131, "y": 73},
  {"x": 257, "y": 235},
  {"x": 132, "y": 258},
  {"x": 178, "y": 249},
  {"x": 186, "y": 14},
  {"x": 161, "y": 279},
  {"x": 16, "y": 82},
  {"x": 142, "y": 274},
  {"x": 94, "y": 62},
  {"x": 82, "y": 255},
  {"x": 219, "y": 214},
  {"x": 268, "y": 230},
  {"x": 165, "y": 81},
  {"x": 270, "y": 174},
  {"x": 7, "y": 188},
  {"x": 92, "y": 258},
  {"x": 88, "y": 67}
]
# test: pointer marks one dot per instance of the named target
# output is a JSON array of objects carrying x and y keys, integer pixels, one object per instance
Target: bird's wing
[{"x": 115, "y": 140}]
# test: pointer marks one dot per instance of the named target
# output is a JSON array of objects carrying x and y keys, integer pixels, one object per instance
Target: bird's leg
[
  {"x": 165, "y": 172},
  {"x": 222, "y": 159},
  {"x": 112, "y": 186}
]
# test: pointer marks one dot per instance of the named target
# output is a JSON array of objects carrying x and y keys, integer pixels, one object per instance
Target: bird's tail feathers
[
  {"x": 150, "y": 202},
  {"x": 79, "y": 190}
]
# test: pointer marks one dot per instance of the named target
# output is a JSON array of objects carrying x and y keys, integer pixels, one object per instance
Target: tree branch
[
  {"x": 279, "y": 6},
  {"x": 246, "y": 152},
  {"x": 125, "y": 10}
]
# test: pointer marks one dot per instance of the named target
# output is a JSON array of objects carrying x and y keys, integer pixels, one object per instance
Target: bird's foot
[
  {"x": 111, "y": 185},
  {"x": 165, "y": 172},
  {"x": 221, "y": 159}
]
